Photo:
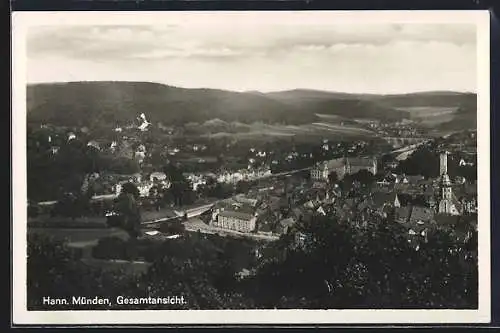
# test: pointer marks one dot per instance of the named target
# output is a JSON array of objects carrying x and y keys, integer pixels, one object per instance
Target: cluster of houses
[
  {"x": 342, "y": 166},
  {"x": 233, "y": 177},
  {"x": 111, "y": 184},
  {"x": 144, "y": 185},
  {"x": 415, "y": 203}
]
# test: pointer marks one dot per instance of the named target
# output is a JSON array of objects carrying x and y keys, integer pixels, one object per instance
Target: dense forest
[{"x": 115, "y": 103}]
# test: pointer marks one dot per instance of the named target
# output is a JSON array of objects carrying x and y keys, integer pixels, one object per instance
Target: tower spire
[
  {"x": 443, "y": 163},
  {"x": 446, "y": 204}
]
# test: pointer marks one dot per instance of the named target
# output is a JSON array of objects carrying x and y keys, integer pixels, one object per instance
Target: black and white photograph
[{"x": 251, "y": 167}]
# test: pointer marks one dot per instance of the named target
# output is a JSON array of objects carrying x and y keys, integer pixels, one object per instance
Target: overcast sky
[{"x": 376, "y": 58}]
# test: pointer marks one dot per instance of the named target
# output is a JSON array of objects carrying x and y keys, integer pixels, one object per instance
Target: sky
[{"x": 263, "y": 56}]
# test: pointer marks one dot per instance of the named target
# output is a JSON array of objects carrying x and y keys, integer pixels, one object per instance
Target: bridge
[
  {"x": 407, "y": 148},
  {"x": 179, "y": 214},
  {"x": 397, "y": 142},
  {"x": 403, "y": 153},
  {"x": 194, "y": 211}
]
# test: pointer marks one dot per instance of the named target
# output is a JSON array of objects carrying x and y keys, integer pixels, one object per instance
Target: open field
[
  {"x": 332, "y": 118},
  {"x": 325, "y": 128},
  {"x": 431, "y": 115},
  {"x": 79, "y": 235}
]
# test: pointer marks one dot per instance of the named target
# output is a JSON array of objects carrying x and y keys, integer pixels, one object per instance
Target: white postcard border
[{"x": 21, "y": 21}]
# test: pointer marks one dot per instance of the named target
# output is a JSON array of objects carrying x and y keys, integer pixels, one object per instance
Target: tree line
[{"x": 338, "y": 266}]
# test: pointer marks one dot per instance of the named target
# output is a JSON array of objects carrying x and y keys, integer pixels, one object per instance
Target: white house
[
  {"x": 237, "y": 221},
  {"x": 159, "y": 176}
]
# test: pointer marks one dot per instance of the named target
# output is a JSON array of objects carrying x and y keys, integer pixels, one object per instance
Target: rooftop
[
  {"x": 361, "y": 161},
  {"x": 353, "y": 161},
  {"x": 237, "y": 215},
  {"x": 419, "y": 213}
]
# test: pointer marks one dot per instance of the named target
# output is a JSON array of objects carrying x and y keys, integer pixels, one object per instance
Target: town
[
  {"x": 299, "y": 162},
  {"x": 253, "y": 189},
  {"x": 257, "y": 195}
]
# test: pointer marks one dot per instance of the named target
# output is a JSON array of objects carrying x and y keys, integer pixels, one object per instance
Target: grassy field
[
  {"x": 431, "y": 115},
  {"x": 79, "y": 235},
  {"x": 329, "y": 126}
]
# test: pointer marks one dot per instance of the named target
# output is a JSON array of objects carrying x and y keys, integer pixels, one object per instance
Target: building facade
[
  {"x": 343, "y": 166},
  {"x": 237, "y": 221}
]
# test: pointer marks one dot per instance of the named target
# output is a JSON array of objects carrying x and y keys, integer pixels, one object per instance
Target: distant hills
[{"x": 107, "y": 103}]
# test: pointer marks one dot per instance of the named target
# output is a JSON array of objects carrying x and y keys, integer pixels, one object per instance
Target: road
[{"x": 409, "y": 147}]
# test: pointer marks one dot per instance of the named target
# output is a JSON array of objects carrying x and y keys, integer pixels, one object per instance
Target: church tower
[
  {"x": 447, "y": 204},
  {"x": 443, "y": 163}
]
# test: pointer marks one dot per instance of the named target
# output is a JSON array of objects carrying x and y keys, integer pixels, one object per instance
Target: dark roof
[
  {"x": 415, "y": 179},
  {"x": 368, "y": 203},
  {"x": 287, "y": 222},
  {"x": 336, "y": 163},
  {"x": 419, "y": 213},
  {"x": 430, "y": 191},
  {"x": 265, "y": 227},
  {"x": 471, "y": 189},
  {"x": 362, "y": 162},
  {"x": 381, "y": 198},
  {"x": 402, "y": 213},
  {"x": 233, "y": 205},
  {"x": 418, "y": 228},
  {"x": 349, "y": 202},
  {"x": 402, "y": 187},
  {"x": 237, "y": 215},
  {"x": 297, "y": 212}
]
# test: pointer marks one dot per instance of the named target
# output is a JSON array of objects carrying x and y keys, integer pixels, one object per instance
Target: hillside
[
  {"x": 442, "y": 110},
  {"x": 117, "y": 103}
]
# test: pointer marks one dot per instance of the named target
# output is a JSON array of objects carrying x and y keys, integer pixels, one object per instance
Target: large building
[
  {"x": 234, "y": 220},
  {"x": 343, "y": 166}
]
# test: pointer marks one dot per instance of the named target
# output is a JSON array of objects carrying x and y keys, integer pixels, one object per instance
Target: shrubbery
[{"x": 343, "y": 267}]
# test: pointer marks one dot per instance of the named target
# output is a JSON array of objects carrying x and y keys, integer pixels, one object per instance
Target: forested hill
[
  {"x": 88, "y": 103},
  {"x": 116, "y": 103}
]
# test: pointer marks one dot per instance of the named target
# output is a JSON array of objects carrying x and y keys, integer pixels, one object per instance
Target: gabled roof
[
  {"x": 368, "y": 203},
  {"x": 288, "y": 222},
  {"x": 309, "y": 204},
  {"x": 236, "y": 215},
  {"x": 381, "y": 198},
  {"x": 361, "y": 162},
  {"x": 336, "y": 163},
  {"x": 419, "y": 213},
  {"x": 265, "y": 227},
  {"x": 402, "y": 213},
  {"x": 415, "y": 179},
  {"x": 429, "y": 191},
  {"x": 297, "y": 212}
]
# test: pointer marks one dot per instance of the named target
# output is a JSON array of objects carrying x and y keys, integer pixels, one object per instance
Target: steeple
[
  {"x": 443, "y": 163},
  {"x": 447, "y": 204},
  {"x": 396, "y": 202}
]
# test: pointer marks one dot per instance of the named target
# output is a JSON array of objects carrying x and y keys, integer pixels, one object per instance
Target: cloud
[
  {"x": 183, "y": 53},
  {"x": 122, "y": 42},
  {"x": 264, "y": 56}
]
